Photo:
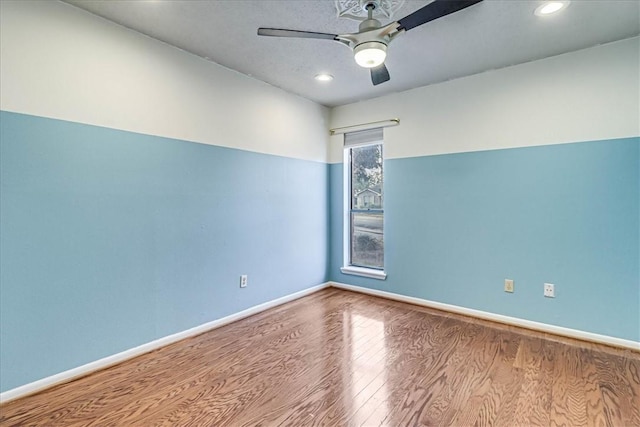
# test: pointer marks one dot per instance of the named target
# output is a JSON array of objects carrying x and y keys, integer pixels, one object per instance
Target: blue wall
[
  {"x": 457, "y": 225},
  {"x": 112, "y": 239}
]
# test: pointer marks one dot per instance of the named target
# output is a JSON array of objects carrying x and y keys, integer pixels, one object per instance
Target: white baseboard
[
  {"x": 528, "y": 324},
  {"x": 105, "y": 362}
]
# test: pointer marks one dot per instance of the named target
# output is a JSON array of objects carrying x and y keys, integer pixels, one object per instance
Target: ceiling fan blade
[
  {"x": 379, "y": 74},
  {"x": 279, "y": 32},
  {"x": 434, "y": 10}
]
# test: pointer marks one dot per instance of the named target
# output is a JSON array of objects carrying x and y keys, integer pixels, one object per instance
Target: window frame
[{"x": 348, "y": 267}]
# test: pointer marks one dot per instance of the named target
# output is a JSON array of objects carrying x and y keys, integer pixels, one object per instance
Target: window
[{"x": 364, "y": 199}]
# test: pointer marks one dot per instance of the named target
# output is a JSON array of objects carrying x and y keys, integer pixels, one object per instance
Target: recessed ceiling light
[
  {"x": 323, "y": 77},
  {"x": 551, "y": 7}
]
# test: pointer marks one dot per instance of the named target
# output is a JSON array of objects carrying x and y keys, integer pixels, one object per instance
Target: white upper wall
[
  {"x": 590, "y": 94},
  {"x": 60, "y": 62}
]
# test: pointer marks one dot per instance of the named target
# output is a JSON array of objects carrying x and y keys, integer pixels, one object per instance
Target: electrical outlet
[
  {"x": 243, "y": 281},
  {"x": 549, "y": 290},
  {"x": 508, "y": 285}
]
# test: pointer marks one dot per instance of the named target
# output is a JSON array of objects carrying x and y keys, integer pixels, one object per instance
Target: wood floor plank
[
  {"x": 481, "y": 379},
  {"x": 339, "y": 358},
  {"x": 619, "y": 382},
  {"x": 569, "y": 404},
  {"x": 533, "y": 396},
  {"x": 427, "y": 372}
]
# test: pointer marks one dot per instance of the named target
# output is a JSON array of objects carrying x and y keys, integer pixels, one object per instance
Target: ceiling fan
[{"x": 370, "y": 43}]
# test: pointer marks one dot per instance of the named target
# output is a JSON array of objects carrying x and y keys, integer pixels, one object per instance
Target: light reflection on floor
[{"x": 367, "y": 358}]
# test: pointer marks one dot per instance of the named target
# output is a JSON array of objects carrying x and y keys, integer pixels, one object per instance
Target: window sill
[{"x": 364, "y": 272}]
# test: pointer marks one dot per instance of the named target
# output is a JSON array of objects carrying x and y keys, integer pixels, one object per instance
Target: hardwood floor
[{"x": 338, "y": 358}]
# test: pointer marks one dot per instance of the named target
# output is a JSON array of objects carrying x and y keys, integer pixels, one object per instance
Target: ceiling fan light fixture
[
  {"x": 551, "y": 7},
  {"x": 370, "y": 54},
  {"x": 370, "y": 43}
]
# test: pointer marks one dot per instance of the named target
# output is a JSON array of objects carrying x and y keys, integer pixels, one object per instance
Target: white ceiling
[{"x": 489, "y": 35}]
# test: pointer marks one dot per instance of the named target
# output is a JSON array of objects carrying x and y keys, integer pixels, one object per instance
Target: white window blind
[{"x": 363, "y": 137}]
